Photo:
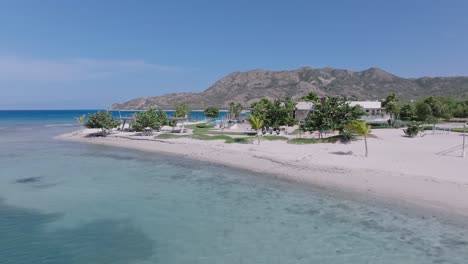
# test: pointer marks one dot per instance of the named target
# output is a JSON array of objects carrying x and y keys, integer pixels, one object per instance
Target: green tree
[
  {"x": 333, "y": 113},
  {"x": 211, "y": 112},
  {"x": 447, "y": 107},
  {"x": 151, "y": 119},
  {"x": 460, "y": 110},
  {"x": 281, "y": 113},
  {"x": 438, "y": 108},
  {"x": 103, "y": 121},
  {"x": 431, "y": 109},
  {"x": 235, "y": 109},
  {"x": 261, "y": 108},
  {"x": 391, "y": 106},
  {"x": 423, "y": 111},
  {"x": 311, "y": 97},
  {"x": 256, "y": 124},
  {"x": 450, "y": 104},
  {"x": 407, "y": 112},
  {"x": 360, "y": 128},
  {"x": 80, "y": 120},
  {"x": 182, "y": 111},
  {"x": 275, "y": 114}
]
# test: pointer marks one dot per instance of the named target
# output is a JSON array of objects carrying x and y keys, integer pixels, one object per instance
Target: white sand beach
[{"x": 424, "y": 171}]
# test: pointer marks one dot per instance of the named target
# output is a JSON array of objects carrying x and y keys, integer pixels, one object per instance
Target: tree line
[
  {"x": 429, "y": 109},
  {"x": 146, "y": 121},
  {"x": 330, "y": 113}
]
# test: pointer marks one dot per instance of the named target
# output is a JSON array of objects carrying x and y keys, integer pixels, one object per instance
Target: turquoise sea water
[
  {"x": 74, "y": 203},
  {"x": 67, "y": 117}
]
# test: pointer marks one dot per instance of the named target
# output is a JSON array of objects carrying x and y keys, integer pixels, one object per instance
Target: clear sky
[{"x": 89, "y": 54}]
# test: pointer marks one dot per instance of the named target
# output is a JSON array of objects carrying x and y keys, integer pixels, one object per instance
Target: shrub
[
  {"x": 211, "y": 112},
  {"x": 103, "y": 121},
  {"x": 400, "y": 123},
  {"x": 413, "y": 129},
  {"x": 151, "y": 119}
]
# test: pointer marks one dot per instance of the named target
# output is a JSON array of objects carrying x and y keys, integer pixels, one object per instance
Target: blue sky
[{"x": 90, "y": 54}]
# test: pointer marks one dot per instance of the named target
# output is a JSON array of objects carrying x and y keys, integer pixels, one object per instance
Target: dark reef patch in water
[
  {"x": 28, "y": 180},
  {"x": 103, "y": 241}
]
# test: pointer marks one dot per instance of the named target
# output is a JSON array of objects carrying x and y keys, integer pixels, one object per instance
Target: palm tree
[
  {"x": 182, "y": 111},
  {"x": 256, "y": 124},
  {"x": 235, "y": 109},
  {"x": 391, "y": 106},
  {"x": 362, "y": 129}
]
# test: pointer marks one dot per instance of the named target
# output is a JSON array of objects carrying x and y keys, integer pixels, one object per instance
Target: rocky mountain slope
[{"x": 247, "y": 87}]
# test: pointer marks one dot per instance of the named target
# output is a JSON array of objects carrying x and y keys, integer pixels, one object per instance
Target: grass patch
[
  {"x": 379, "y": 126},
  {"x": 455, "y": 129},
  {"x": 169, "y": 136},
  {"x": 200, "y": 128},
  {"x": 332, "y": 139},
  {"x": 243, "y": 140},
  {"x": 297, "y": 132},
  {"x": 207, "y": 137},
  {"x": 304, "y": 141},
  {"x": 459, "y": 130},
  {"x": 273, "y": 138},
  {"x": 231, "y": 133},
  {"x": 203, "y": 125},
  {"x": 458, "y": 120},
  {"x": 227, "y": 139}
]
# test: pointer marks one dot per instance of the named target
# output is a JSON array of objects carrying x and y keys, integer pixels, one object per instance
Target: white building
[
  {"x": 374, "y": 111},
  {"x": 371, "y": 107},
  {"x": 302, "y": 111}
]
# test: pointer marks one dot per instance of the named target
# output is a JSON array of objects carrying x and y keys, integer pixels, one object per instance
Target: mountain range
[{"x": 249, "y": 86}]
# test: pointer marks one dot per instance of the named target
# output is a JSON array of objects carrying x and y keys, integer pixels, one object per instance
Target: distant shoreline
[
  {"x": 171, "y": 110},
  {"x": 136, "y": 110}
]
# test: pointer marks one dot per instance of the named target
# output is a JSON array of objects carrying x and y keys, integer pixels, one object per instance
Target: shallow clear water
[{"x": 75, "y": 203}]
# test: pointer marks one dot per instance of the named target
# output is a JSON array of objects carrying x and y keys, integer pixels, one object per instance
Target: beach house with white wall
[
  {"x": 302, "y": 111},
  {"x": 374, "y": 111}
]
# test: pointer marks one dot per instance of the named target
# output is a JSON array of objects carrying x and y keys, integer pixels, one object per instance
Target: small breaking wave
[{"x": 60, "y": 125}]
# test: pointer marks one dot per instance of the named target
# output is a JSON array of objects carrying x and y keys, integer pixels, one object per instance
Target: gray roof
[
  {"x": 304, "y": 106},
  {"x": 367, "y": 104}
]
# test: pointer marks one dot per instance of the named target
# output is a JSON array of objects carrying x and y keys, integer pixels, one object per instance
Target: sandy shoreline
[{"x": 424, "y": 171}]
